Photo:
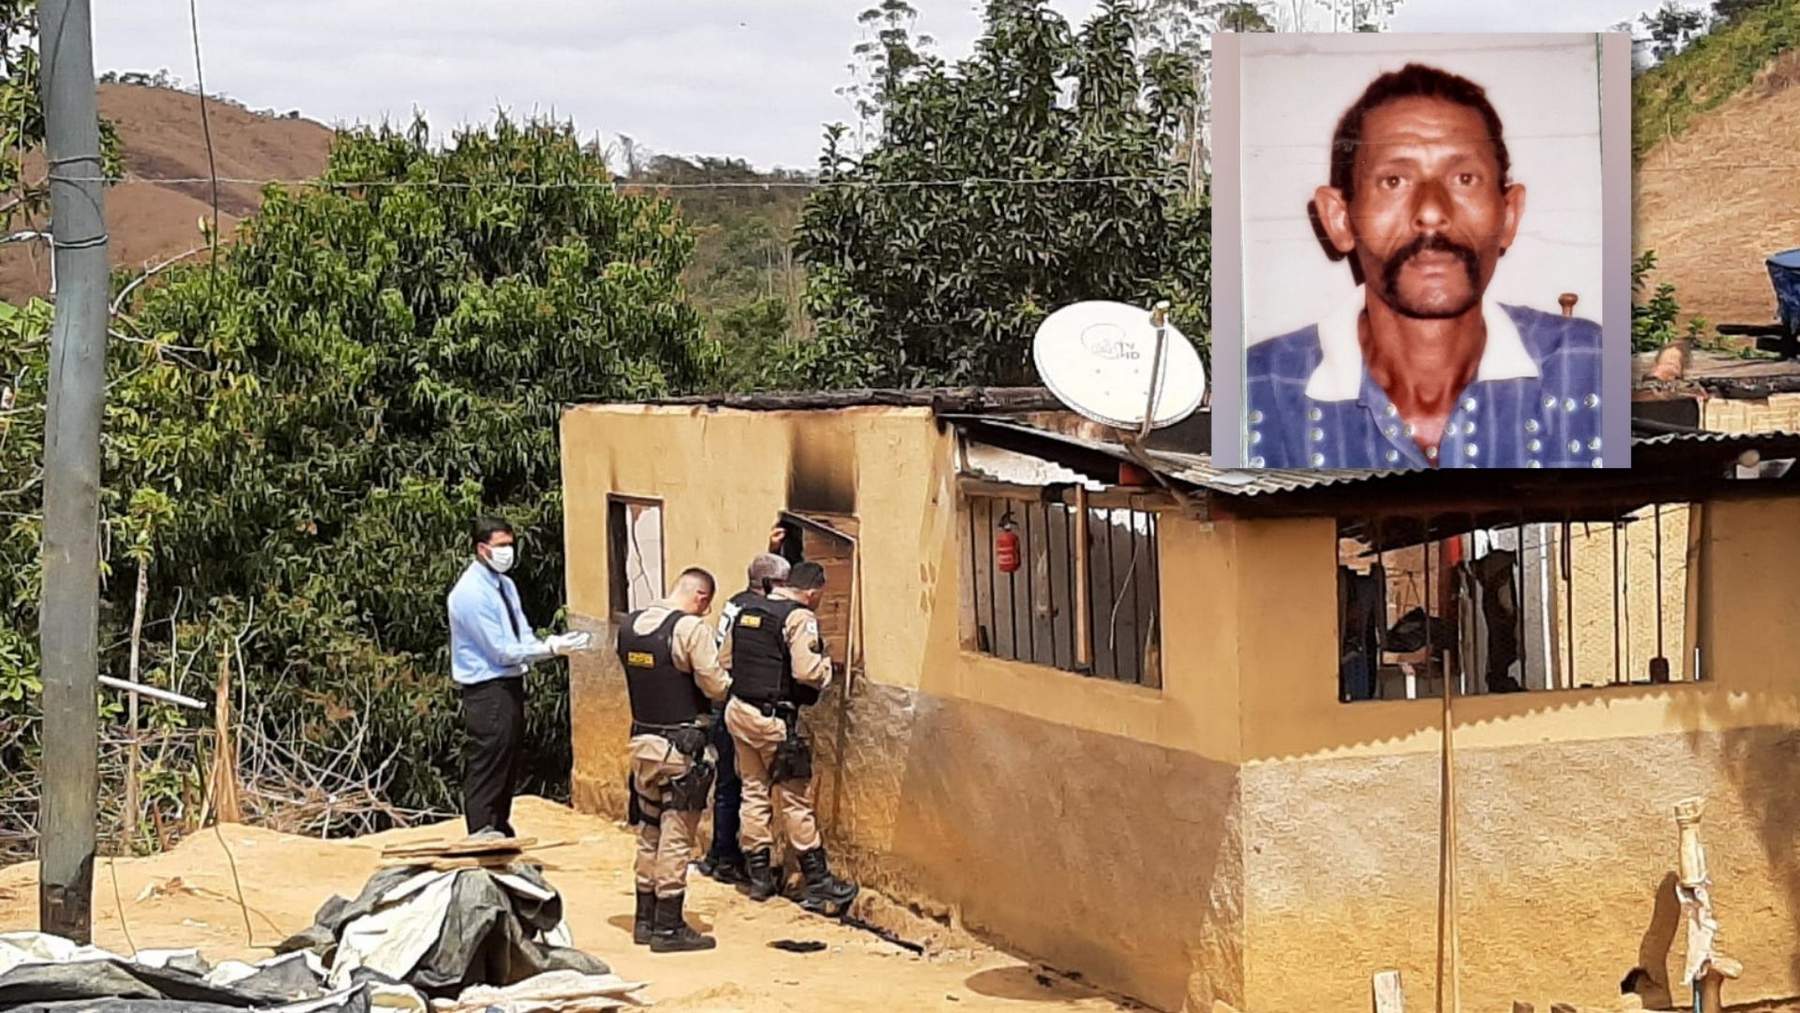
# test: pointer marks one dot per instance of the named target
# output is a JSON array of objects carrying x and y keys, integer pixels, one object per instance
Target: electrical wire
[
  {"x": 618, "y": 184},
  {"x": 212, "y": 166}
]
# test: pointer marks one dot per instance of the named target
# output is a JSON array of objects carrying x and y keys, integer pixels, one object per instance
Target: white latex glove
[{"x": 568, "y": 643}]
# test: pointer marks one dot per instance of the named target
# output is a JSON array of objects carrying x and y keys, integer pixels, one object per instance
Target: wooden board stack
[{"x": 469, "y": 853}]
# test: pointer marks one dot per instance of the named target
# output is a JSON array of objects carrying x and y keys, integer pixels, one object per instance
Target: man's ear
[
  {"x": 1333, "y": 213},
  {"x": 1514, "y": 195}
]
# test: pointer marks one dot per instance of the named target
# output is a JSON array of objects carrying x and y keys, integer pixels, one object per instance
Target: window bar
[
  {"x": 1519, "y": 598},
  {"x": 1025, "y": 563},
  {"x": 975, "y": 578},
  {"x": 1615, "y": 598},
  {"x": 1068, "y": 580},
  {"x": 1049, "y": 584},
  {"x": 1659, "y": 583},
  {"x": 1568, "y": 573},
  {"x": 1084, "y": 584},
  {"x": 1155, "y": 586},
  {"x": 1373, "y": 530},
  {"x": 1428, "y": 602},
  {"x": 993, "y": 596},
  {"x": 1112, "y": 591},
  {"x": 1137, "y": 617},
  {"x": 1154, "y": 592}
]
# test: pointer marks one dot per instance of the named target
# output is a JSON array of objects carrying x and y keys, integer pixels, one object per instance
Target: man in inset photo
[{"x": 1422, "y": 368}]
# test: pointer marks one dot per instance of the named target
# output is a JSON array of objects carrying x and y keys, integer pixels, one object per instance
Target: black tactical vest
[
  {"x": 735, "y": 607},
  {"x": 661, "y": 694},
  {"x": 761, "y": 669}
]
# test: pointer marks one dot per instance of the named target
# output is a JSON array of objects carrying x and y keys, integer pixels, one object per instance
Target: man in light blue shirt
[{"x": 491, "y": 648}]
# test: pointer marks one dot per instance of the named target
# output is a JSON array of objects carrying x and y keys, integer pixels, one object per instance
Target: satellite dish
[{"x": 1100, "y": 358}]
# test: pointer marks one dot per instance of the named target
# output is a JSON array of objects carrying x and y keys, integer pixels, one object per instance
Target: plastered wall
[
  {"x": 1565, "y": 834},
  {"x": 1238, "y": 834},
  {"x": 1086, "y": 822}
]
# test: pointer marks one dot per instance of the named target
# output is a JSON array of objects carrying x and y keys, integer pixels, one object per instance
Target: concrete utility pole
[{"x": 67, "y": 627}]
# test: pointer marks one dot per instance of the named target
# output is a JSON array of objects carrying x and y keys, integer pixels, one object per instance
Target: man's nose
[{"x": 1431, "y": 206}]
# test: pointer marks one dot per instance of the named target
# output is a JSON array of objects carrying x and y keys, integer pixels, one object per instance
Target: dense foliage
[
  {"x": 1750, "y": 38},
  {"x": 1071, "y": 190},
  {"x": 295, "y": 444}
]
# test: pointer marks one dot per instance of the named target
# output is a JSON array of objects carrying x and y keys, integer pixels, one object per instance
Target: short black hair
[
  {"x": 703, "y": 577},
  {"x": 487, "y": 527},
  {"x": 1415, "y": 80},
  {"x": 806, "y": 576}
]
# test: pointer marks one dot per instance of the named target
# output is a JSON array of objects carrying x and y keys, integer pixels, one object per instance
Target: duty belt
[
  {"x": 639, "y": 728},
  {"x": 770, "y": 708}
]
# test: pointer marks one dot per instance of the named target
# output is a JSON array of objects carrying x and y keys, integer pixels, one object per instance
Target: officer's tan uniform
[
  {"x": 757, "y": 734},
  {"x": 666, "y": 839}
]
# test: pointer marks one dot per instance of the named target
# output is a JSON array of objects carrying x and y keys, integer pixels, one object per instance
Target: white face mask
[{"x": 500, "y": 557}]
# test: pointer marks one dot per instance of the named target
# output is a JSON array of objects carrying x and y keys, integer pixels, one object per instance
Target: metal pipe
[
  {"x": 1615, "y": 603},
  {"x": 1159, "y": 319},
  {"x": 1084, "y": 621},
  {"x": 69, "y": 612},
  {"x": 153, "y": 692}
]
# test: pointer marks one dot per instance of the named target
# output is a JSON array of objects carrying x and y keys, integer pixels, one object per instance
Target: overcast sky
[{"x": 748, "y": 78}]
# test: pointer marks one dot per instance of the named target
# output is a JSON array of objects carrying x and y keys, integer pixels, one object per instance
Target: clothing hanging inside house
[
  {"x": 1362, "y": 608},
  {"x": 1489, "y": 591}
]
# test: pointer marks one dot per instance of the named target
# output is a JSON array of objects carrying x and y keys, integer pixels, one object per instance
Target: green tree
[
  {"x": 296, "y": 443},
  {"x": 889, "y": 55},
  {"x": 1733, "y": 10},
  {"x": 1071, "y": 190},
  {"x": 1655, "y": 320},
  {"x": 27, "y": 197}
]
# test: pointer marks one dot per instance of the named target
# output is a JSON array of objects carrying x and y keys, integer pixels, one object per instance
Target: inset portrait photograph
[{"x": 1421, "y": 257}]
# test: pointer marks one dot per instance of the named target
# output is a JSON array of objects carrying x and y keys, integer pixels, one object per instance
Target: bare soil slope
[
  {"x": 1715, "y": 201},
  {"x": 159, "y": 130}
]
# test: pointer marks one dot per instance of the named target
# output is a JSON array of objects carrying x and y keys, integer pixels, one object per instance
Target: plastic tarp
[
  {"x": 1784, "y": 273},
  {"x": 40, "y": 973},
  {"x": 442, "y": 932}
]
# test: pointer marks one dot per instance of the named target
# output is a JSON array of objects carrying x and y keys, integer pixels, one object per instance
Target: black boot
[
  {"x": 641, "y": 926},
  {"x": 824, "y": 893},
  {"x": 672, "y": 934},
  {"x": 761, "y": 877},
  {"x": 729, "y": 871}
]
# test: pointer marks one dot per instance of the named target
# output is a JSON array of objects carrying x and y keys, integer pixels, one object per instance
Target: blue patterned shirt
[{"x": 1534, "y": 402}]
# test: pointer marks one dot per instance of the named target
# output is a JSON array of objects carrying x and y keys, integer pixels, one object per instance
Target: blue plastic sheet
[{"x": 1784, "y": 273}]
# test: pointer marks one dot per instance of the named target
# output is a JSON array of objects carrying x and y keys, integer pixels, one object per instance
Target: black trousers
[
  {"x": 728, "y": 794},
  {"x": 494, "y": 761}
]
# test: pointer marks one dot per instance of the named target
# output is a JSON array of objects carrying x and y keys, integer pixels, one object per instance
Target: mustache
[{"x": 1429, "y": 242}]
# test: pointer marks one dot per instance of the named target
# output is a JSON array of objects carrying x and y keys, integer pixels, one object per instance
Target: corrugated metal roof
[
  {"x": 1198, "y": 470},
  {"x": 1194, "y": 469},
  {"x": 1747, "y": 439}
]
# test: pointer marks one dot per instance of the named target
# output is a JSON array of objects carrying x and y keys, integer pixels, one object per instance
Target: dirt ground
[{"x": 285, "y": 879}]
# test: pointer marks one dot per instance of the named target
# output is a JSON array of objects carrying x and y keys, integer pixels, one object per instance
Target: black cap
[{"x": 806, "y": 576}]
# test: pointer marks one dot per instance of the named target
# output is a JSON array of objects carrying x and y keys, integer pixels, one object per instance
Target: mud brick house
[{"x": 1192, "y": 745}]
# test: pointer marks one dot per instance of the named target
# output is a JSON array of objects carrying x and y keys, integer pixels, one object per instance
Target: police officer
[
  {"x": 671, "y": 669},
  {"x": 724, "y": 859},
  {"x": 778, "y": 664}
]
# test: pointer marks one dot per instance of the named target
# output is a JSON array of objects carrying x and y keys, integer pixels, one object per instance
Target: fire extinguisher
[{"x": 1006, "y": 545}]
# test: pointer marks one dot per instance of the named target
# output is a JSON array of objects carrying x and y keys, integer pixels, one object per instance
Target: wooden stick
[
  {"x": 134, "y": 756},
  {"x": 225, "y": 788}
]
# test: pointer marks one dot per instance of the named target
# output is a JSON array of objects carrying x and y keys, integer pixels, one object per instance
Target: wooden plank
[
  {"x": 496, "y": 845},
  {"x": 475, "y": 862},
  {"x": 1388, "y": 995}
]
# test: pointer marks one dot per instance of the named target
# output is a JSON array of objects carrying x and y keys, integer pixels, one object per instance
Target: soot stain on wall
[{"x": 821, "y": 471}]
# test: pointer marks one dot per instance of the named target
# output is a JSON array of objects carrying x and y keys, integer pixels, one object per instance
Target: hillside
[
  {"x": 742, "y": 280},
  {"x": 1718, "y": 177},
  {"x": 159, "y": 130}
]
